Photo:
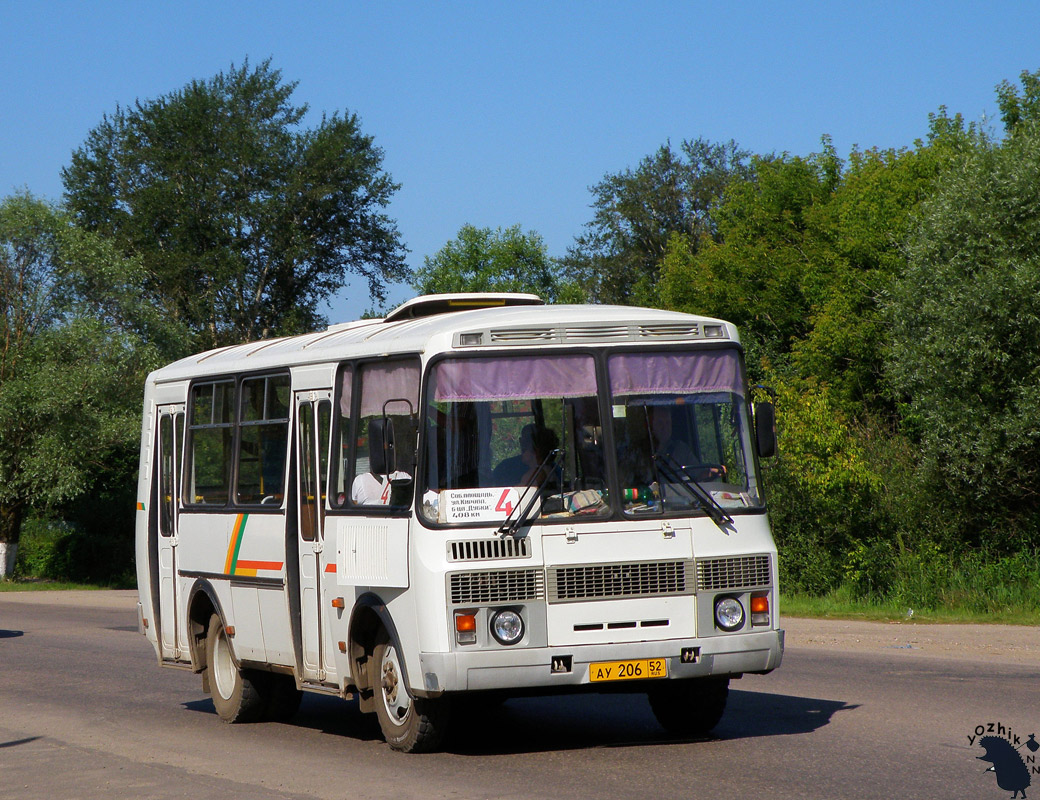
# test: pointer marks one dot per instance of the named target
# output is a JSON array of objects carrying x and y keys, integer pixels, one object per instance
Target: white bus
[{"x": 478, "y": 495}]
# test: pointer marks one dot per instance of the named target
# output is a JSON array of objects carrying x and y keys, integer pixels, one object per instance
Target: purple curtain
[
  {"x": 397, "y": 380},
  {"x": 345, "y": 396},
  {"x": 471, "y": 379},
  {"x": 675, "y": 373}
]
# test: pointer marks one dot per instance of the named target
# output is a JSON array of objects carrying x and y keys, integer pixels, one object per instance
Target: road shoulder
[{"x": 1010, "y": 643}]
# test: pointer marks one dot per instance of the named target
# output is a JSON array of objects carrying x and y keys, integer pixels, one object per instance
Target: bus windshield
[
  {"x": 508, "y": 431},
  {"x": 681, "y": 429},
  {"x": 496, "y": 426}
]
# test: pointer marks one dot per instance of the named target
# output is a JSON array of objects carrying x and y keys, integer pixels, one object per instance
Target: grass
[
  {"x": 39, "y": 585},
  {"x": 836, "y": 605}
]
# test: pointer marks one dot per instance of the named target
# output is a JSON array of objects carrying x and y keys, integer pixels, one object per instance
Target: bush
[
  {"x": 88, "y": 541},
  {"x": 823, "y": 494},
  {"x": 41, "y": 548}
]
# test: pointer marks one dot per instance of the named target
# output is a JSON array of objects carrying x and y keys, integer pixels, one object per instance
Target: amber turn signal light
[
  {"x": 466, "y": 628},
  {"x": 759, "y": 609}
]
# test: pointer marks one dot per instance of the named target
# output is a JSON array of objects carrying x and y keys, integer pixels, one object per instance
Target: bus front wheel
[
  {"x": 409, "y": 724},
  {"x": 236, "y": 697},
  {"x": 690, "y": 707}
]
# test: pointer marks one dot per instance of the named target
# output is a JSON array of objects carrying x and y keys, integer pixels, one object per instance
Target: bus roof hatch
[{"x": 431, "y": 304}]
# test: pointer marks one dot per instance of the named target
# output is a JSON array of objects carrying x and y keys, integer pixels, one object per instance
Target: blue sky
[{"x": 498, "y": 114}]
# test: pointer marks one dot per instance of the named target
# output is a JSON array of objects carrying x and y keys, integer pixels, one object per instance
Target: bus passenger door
[
  {"x": 313, "y": 420},
  {"x": 168, "y": 457}
]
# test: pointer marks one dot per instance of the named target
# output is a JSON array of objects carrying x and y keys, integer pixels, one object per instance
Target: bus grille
[
  {"x": 740, "y": 572},
  {"x": 496, "y": 586},
  {"x": 615, "y": 581},
  {"x": 486, "y": 549}
]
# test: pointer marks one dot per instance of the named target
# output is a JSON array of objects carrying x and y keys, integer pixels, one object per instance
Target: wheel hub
[
  {"x": 390, "y": 683},
  {"x": 396, "y": 700}
]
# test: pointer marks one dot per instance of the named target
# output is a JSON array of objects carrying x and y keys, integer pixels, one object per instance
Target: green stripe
[{"x": 241, "y": 525}]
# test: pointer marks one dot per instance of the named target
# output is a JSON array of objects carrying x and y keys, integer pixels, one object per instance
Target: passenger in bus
[
  {"x": 372, "y": 488},
  {"x": 536, "y": 443}
]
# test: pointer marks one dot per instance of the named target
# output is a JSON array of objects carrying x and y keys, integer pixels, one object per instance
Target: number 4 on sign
[{"x": 503, "y": 503}]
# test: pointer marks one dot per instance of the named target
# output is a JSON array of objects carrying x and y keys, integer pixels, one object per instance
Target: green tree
[
  {"x": 617, "y": 258},
  {"x": 486, "y": 260},
  {"x": 75, "y": 336},
  {"x": 245, "y": 220},
  {"x": 964, "y": 356},
  {"x": 807, "y": 249},
  {"x": 768, "y": 245},
  {"x": 1018, "y": 107}
]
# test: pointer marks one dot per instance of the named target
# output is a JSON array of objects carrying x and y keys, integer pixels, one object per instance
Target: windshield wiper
[
  {"x": 676, "y": 470},
  {"x": 546, "y": 469}
]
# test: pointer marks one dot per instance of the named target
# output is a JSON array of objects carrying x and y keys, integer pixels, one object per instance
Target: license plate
[{"x": 628, "y": 670}]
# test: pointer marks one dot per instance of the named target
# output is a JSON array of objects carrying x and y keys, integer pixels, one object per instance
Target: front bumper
[{"x": 531, "y": 668}]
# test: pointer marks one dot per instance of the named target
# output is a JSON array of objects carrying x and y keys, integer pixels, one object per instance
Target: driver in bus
[{"x": 677, "y": 451}]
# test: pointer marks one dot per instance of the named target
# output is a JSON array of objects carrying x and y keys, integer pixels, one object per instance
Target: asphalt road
[{"x": 856, "y": 711}]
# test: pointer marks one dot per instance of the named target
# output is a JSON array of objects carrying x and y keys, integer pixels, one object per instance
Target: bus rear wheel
[
  {"x": 409, "y": 724},
  {"x": 690, "y": 707},
  {"x": 236, "y": 696}
]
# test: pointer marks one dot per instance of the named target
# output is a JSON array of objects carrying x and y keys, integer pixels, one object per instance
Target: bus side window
[
  {"x": 210, "y": 433},
  {"x": 308, "y": 480},
  {"x": 167, "y": 471},
  {"x": 324, "y": 444},
  {"x": 264, "y": 438},
  {"x": 389, "y": 389},
  {"x": 340, "y": 450}
]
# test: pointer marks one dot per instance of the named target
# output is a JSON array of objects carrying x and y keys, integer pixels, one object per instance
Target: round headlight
[
  {"x": 507, "y": 627},
  {"x": 729, "y": 613}
]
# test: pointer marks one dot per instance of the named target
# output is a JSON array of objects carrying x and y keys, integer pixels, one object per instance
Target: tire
[
  {"x": 409, "y": 724},
  {"x": 237, "y": 697},
  {"x": 691, "y": 707}
]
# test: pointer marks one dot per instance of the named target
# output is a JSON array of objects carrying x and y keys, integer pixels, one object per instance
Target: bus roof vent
[
  {"x": 669, "y": 330},
  {"x": 596, "y": 333},
  {"x": 430, "y": 304},
  {"x": 522, "y": 335}
]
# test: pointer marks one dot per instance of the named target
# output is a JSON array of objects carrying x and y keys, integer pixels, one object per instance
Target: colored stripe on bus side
[
  {"x": 250, "y": 567},
  {"x": 237, "y": 533},
  {"x": 244, "y": 567},
  {"x": 140, "y": 506}
]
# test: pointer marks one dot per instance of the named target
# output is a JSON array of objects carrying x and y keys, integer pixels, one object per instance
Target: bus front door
[
  {"x": 168, "y": 456},
  {"x": 313, "y": 419}
]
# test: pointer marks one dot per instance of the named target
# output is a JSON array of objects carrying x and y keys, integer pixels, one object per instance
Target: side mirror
[
  {"x": 765, "y": 429},
  {"x": 382, "y": 453}
]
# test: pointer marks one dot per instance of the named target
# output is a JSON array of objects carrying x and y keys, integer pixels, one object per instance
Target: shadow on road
[
  {"x": 17, "y": 742},
  {"x": 11, "y": 634},
  {"x": 582, "y": 721},
  {"x": 317, "y": 712},
  {"x": 569, "y": 722}
]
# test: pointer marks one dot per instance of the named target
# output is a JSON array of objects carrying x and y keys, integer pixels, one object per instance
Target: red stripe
[
  {"x": 270, "y": 565},
  {"x": 330, "y": 567}
]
